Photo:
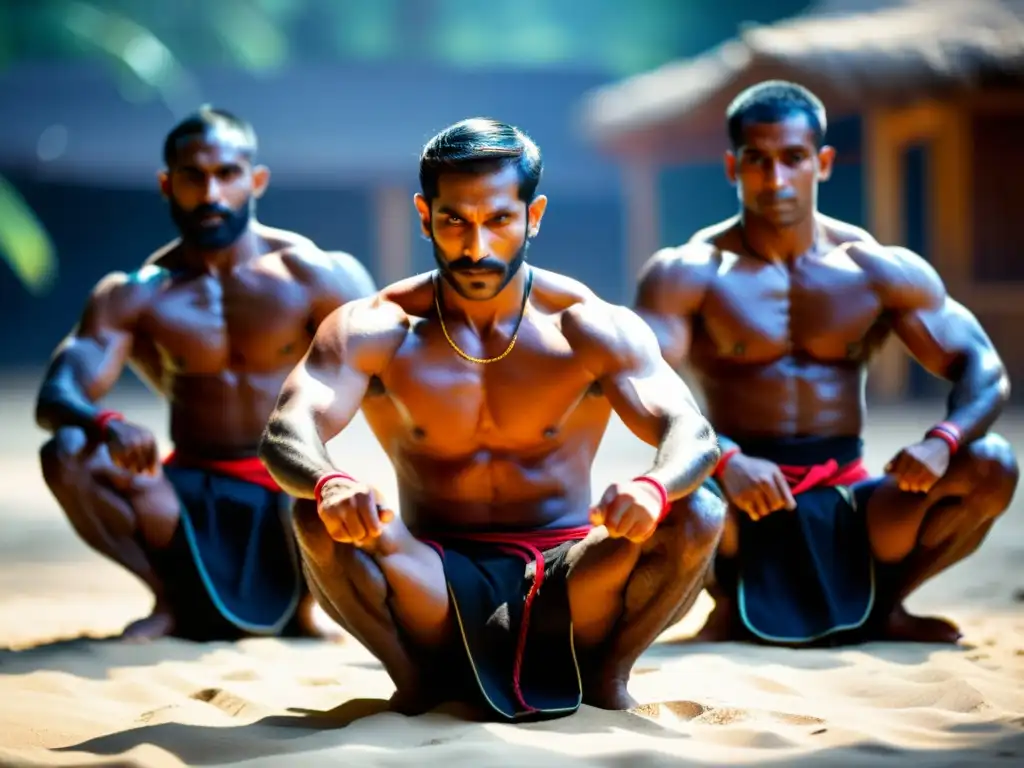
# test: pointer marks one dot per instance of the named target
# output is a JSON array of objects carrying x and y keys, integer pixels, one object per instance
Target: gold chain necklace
[{"x": 515, "y": 334}]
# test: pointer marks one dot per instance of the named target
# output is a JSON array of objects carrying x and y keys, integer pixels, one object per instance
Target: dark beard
[
  {"x": 450, "y": 270},
  {"x": 193, "y": 233}
]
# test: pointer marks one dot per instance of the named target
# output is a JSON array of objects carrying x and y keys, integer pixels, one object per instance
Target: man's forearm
[
  {"x": 684, "y": 459},
  {"x": 294, "y": 455},
  {"x": 61, "y": 403},
  {"x": 977, "y": 398}
]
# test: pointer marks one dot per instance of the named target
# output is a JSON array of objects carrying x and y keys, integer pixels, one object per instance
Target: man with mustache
[
  {"x": 213, "y": 322},
  {"x": 778, "y": 312},
  {"x": 489, "y": 383}
]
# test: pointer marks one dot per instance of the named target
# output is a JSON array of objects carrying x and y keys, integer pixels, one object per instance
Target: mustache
[
  {"x": 777, "y": 197},
  {"x": 466, "y": 264},
  {"x": 211, "y": 209}
]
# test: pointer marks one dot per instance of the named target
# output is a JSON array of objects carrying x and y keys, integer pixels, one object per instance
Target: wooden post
[
  {"x": 949, "y": 208},
  {"x": 640, "y": 187},
  {"x": 883, "y": 168},
  {"x": 393, "y": 211}
]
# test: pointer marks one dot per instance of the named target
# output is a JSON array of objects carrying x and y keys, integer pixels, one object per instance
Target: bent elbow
[
  {"x": 46, "y": 405},
  {"x": 1003, "y": 388},
  {"x": 712, "y": 450},
  {"x": 267, "y": 449}
]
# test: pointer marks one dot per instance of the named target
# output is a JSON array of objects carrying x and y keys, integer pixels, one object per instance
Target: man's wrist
[
  {"x": 948, "y": 433},
  {"x": 660, "y": 492},
  {"x": 102, "y": 420},
  {"x": 327, "y": 477}
]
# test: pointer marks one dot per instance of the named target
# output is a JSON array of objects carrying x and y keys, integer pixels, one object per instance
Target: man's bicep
[
  {"x": 324, "y": 386},
  {"x": 642, "y": 387},
  {"x": 666, "y": 298},
  {"x": 95, "y": 352},
  {"x": 672, "y": 332},
  {"x": 943, "y": 336}
]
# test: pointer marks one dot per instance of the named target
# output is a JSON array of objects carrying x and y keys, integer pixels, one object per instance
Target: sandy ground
[{"x": 66, "y": 699}]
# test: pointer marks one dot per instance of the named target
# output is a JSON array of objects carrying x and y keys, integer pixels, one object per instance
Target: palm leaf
[{"x": 24, "y": 242}]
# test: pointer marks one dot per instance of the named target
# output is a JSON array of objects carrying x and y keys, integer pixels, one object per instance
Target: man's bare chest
[
  {"x": 825, "y": 309},
  {"x": 207, "y": 325},
  {"x": 526, "y": 401}
]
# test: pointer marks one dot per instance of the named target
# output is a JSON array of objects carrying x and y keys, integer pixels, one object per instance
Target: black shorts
[
  {"x": 514, "y": 653},
  {"x": 806, "y": 576},
  {"x": 232, "y": 567}
]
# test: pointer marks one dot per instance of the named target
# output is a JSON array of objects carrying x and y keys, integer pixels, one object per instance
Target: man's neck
[
  {"x": 224, "y": 259},
  {"x": 785, "y": 244},
  {"x": 483, "y": 316}
]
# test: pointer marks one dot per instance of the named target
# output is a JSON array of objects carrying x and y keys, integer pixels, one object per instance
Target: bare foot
[
  {"x": 719, "y": 626},
  {"x": 314, "y": 621},
  {"x": 609, "y": 694},
  {"x": 411, "y": 702},
  {"x": 159, "y": 623},
  {"x": 904, "y": 627}
]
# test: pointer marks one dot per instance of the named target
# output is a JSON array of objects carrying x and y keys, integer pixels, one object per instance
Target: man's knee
[
  {"x": 995, "y": 473},
  {"x": 697, "y": 522},
  {"x": 61, "y": 457}
]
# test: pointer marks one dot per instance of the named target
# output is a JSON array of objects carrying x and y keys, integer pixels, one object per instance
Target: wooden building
[{"x": 946, "y": 76}]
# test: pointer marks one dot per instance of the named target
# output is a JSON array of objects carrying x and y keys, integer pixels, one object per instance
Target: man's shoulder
[
  {"x": 599, "y": 326},
  {"x": 386, "y": 316},
  {"x": 889, "y": 263},
  {"x": 902, "y": 278},
  {"x": 556, "y": 292},
  {"x": 690, "y": 263}
]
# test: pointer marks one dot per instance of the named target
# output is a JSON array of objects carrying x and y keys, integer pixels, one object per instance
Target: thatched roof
[{"x": 852, "y": 53}]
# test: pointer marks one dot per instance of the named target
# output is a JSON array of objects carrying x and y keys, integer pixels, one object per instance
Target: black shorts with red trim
[{"x": 510, "y": 603}]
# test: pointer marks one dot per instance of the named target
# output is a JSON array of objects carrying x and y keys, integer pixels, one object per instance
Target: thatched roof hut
[
  {"x": 945, "y": 75},
  {"x": 853, "y": 53}
]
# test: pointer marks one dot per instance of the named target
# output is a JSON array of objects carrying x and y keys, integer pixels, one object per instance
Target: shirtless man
[
  {"x": 213, "y": 322},
  {"x": 490, "y": 385},
  {"x": 778, "y": 312}
]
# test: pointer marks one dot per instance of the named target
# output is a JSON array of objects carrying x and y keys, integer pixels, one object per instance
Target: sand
[{"x": 66, "y": 699}]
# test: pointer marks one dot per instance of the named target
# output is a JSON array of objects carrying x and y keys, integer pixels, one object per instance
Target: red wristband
[
  {"x": 948, "y": 432},
  {"x": 103, "y": 418},
  {"x": 323, "y": 480},
  {"x": 720, "y": 466},
  {"x": 666, "y": 505}
]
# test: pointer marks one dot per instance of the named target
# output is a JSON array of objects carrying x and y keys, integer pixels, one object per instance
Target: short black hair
[
  {"x": 772, "y": 102},
  {"x": 205, "y": 119},
  {"x": 481, "y": 145}
]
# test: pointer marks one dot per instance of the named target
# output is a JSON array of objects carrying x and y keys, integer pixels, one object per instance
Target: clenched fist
[
  {"x": 629, "y": 511},
  {"x": 919, "y": 466},
  {"x": 756, "y": 486},
  {"x": 352, "y": 512},
  {"x": 131, "y": 447}
]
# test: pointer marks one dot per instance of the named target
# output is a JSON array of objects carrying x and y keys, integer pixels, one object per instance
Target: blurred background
[
  {"x": 925, "y": 100},
  {"x": 627, "y": 101}
]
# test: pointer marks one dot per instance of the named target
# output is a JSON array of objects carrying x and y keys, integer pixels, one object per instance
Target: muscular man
[
  {"x": 778, "y": 312},
  {"x": 490, "y": 384},
  {"x": 213, "y": 322}
]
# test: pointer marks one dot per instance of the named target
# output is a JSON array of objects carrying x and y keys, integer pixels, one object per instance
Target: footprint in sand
[
  {"x": 315, "y": 682},
  {"x": 767, "y": 685},
  {"x": 226, "y": 702},
  {"x": 147, "y": 717},
  {"x": 241, "y": 676},
  {"x": 692, "y": 710},
  {"x": 723, "y": 716},
  {"x": 684, "y": 710},
  {"x": 790, "y": 719}
]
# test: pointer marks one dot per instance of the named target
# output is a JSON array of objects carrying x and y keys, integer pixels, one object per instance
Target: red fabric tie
[
  {"x": 249, "y": 470},
  {"x": 823, "y": 475}
]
